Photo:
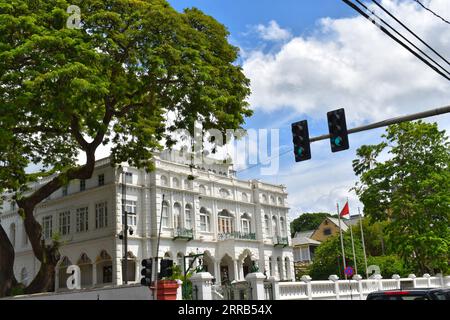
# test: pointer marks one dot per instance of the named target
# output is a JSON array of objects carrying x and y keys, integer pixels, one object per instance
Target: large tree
[
  {"x": 406, "y": 180},
  {"x": 114, "y": 80},
  {"x": 307, "y": 222}
]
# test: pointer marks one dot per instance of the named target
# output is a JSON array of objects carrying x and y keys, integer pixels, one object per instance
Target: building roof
[
  {"x": 304, "y": 237},
  {"x": 344, "y": 226},
  {"x": 306, "y": 234}
]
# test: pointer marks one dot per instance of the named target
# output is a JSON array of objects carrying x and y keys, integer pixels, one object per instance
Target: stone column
[
  {"x": 335, "y": 279},
  {"x": 413, "y": 278},
  {"x": 217, "y": 272},
  {"x": 275, "y": 287},
  {"x": 236, "y": 270},
  {"x": 201, "y": 285},
  {"x": 307, "y": 280},
  {"x": 428, "y": 277},
  {"x": 397, "y": 278},
  {"x": 180, "y": 290},
  {"x": 94, "y": 274},
  {"x": 256, "y": 281}
]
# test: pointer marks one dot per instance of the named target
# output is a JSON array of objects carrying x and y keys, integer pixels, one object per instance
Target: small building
[{"x": 328, "y": 228}]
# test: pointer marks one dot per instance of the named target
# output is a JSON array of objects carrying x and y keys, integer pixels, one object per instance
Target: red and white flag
[{"x": 345, "y": 213}]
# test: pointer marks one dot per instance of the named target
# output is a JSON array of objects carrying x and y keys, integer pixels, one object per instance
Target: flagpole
[
  {"x": 342, "y": 240},
  {"x": 362, "y": 240},
  {"x": 353, "y": 249}
]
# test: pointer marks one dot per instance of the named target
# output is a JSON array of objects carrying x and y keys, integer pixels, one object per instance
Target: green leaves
[
  {"x": 411, "y": 189},
  {"x": 131, "y": 62}
]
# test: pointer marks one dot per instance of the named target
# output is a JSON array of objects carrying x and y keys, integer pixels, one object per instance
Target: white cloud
[
  {"x": 272, "y": 32},
  {"x": 350, "y": 63}
]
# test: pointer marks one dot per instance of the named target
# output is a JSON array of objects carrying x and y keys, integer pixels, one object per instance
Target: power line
[
  {"x": 385, "y": 123},
  {"x": 356, "y": 8},
  {"x": 403, "y": 37},
  {"x": 410, "y": 31},
  {"x": 434, "y": 13}
]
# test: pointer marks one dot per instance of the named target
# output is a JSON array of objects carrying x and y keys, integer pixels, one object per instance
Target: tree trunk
[
  {"x": 45, "y": 279},
  {"x": 7, "y": 278}
]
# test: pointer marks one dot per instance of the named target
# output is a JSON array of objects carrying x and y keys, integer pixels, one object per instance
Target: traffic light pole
[
  {"x": 385, "y": 123},
  {"x": 157, "y": 248}
]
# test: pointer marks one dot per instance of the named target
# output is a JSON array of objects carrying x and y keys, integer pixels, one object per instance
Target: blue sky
[{"x": 305, "y": 58}]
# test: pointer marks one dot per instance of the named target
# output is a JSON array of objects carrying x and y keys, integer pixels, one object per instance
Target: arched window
[
  {"x": 225, "y": 222},
  {"x": 264, "y": 198},
  {"x": 188, "y": 216},
  {"x": 187, "y": 184},
  {"x": 24, "y": 276},
  {"x": 202, "y": 189},
  {"x": 246, "y": 223},
  {"x": 287, "y": 267},
  {"x": 280, "y": 201},
  {"x": 282, "y": 227},
  {"x": 270, "y": 267},
  {"x": 165, "y": 214},
  {"x": 267, "y": 225},
  {"x": 177, "y": 215},
  {"x": 164, "y": 181},
  {"x": 224, "y": 193},
  {"x": 175, "y": 183},
  {"x": 244, "y": 197},
  {"x": 12, "y": 234},
  {"x": 272, "y": 199},
  {"x": 274, "y": 226},
  {"x": 280, "y": 268},
  {"x": 205, "y": 220}
]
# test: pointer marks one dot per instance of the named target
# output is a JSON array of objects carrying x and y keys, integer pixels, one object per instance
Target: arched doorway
[
  {"x": 247, "y": 265},
  {"x": 226, "y": 269},
  {"x": 62, "y": 272},
  {"x": 85, "y": 265},
  {"x": 208, "y": 262},
  {"x": 104, "y": 268},
  {"x": 131, "y": 267}
]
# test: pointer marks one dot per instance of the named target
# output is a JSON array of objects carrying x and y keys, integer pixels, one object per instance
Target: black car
[{"x": 413, "y": 294}]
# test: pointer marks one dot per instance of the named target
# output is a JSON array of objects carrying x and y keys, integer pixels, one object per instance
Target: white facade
[{"x": 232, "y": 222}]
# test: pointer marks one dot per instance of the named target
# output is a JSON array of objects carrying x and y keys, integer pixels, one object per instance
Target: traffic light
[
  {"x": 338, "y": 130},
  {"x": 302, "y": 146},
  {"x": 147, "y": 272},
  {"x": 166, "y": 268}
]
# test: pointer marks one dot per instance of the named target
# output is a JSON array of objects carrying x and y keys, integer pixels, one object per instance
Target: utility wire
[
  {"x": 360, "y": 11},
  {"x": 403, "y": 37},
  {"x": 434, "y": 13},
  {"x": 415, "y": 35}
]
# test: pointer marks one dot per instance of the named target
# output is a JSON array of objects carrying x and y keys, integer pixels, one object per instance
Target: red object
[
  {"x": 167, "y": 290},
  {"x": 345, "y": 211},
  {"x": 396, "y": 293}
]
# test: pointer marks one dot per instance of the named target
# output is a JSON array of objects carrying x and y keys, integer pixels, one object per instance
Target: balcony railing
[
  {"x": 236, "y": 236},
  {"x": 280, "y": 241},
  {"x": 183, "y": 234}
]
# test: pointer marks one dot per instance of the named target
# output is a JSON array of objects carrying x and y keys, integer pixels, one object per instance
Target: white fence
[
  {"x": 130, "y": 292},
  {"x": 357, "y": 289}
]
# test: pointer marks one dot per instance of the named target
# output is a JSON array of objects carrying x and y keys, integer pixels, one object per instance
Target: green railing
[
  {"x": 281, "y": 241},
  {"x": 237, "y": 236},
  {"x": 182, "y": 233}
]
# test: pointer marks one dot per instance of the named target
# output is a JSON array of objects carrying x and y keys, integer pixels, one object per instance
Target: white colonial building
[{"x": 233, "y": 223}]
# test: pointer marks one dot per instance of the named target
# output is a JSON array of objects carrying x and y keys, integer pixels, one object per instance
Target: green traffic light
[{"x": 338, "y": 141}]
